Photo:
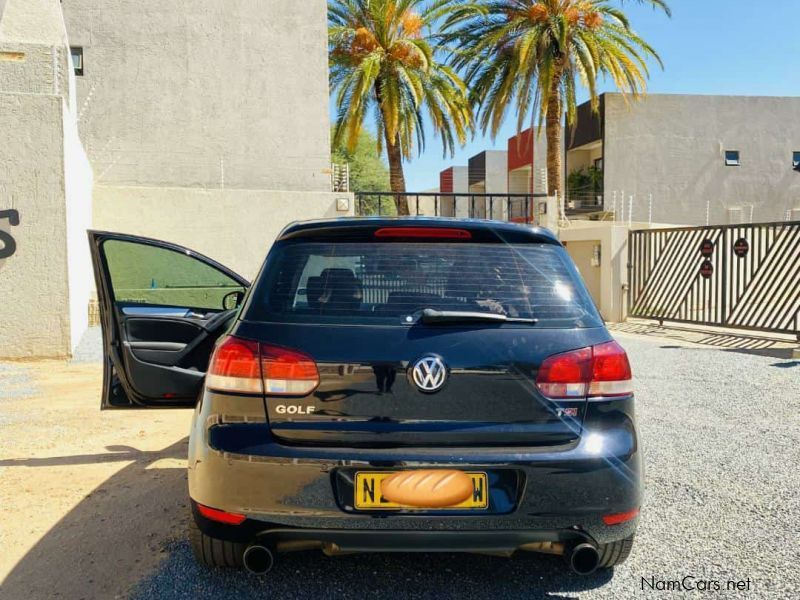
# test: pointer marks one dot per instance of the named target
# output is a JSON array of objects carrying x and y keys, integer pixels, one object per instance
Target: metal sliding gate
[{"x": 739, "y": 276}]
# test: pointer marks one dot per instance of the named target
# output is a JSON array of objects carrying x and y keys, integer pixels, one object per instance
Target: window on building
[
  {"x": 732, "y": 158},
  {"x": 796, "y": 160},
  {"x": 77, "y": 60}
]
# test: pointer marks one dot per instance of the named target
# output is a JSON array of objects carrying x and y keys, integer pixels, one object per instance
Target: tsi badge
[{"x": 429, "y": 374}]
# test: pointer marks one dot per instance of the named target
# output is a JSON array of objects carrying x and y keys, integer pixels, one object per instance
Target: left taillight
[
  {"x": 600, "y": 371},
  {"x": 235, "y": 367},
  {"x": 249, "y": 367}
]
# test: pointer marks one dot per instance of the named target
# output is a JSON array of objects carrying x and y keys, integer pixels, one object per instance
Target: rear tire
[
  {"x": 213, "y": 552},
  {"x": 614, "y": 553}
]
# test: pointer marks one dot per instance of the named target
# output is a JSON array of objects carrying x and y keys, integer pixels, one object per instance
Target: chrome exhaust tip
[
  {"x": 258, "y": 559},
  {"x": 583, "y": 559}
]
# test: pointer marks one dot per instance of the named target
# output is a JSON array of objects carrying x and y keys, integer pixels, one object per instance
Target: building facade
[
  {"x": 195, "y": 108},
  {"x": 203, "y": 123},
  {"x": 692, "y": 160}
]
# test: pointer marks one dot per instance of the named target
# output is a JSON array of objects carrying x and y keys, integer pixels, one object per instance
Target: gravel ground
[{"x": 720, "y": 433}]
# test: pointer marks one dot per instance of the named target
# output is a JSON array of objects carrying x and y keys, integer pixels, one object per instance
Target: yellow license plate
[{"x": 368, "y": 493}]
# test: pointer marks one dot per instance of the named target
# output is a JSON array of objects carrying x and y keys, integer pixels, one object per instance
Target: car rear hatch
[{"x": 420, "y": 336}]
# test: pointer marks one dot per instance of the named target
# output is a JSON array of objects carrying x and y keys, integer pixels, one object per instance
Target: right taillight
[
  {"x": 248, "y": 367},
  {"x": 611, "y": 371},
  {"x": 597, "y": 372}
]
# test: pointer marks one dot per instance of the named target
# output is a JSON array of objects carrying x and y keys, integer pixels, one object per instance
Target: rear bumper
[
  {"x": 381, "y": 540},
  {"x": 562, "y": 495}
]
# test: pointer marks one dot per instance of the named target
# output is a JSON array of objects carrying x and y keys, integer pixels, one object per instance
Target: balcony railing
[
  {"x": 579, "y": 203},
  {"x": 519, "y": 208}
]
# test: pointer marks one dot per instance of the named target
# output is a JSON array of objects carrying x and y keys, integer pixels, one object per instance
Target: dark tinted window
[
  {"x": 394, "y": 282},
  {"x": 145, "y": 274}
]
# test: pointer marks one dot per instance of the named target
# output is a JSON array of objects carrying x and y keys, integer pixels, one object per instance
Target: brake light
[
  {"x": 424, "y": 232},
  {"x": 599, "y": 371},
  {"x": 220, "y": 516},
  {"x": 248, "y": 367}
]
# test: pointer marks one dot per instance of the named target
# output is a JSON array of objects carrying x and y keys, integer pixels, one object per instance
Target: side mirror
[{"x": 232, "y": 300}]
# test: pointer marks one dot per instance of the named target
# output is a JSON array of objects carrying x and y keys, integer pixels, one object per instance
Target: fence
[
  {"x": 519, "y": 208},
  {"x": 738, "y": 276}
]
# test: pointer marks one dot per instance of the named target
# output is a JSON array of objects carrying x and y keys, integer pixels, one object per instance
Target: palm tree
[
  {"x": 529, "y": 55},
  {"x": 384, "y": 65}
]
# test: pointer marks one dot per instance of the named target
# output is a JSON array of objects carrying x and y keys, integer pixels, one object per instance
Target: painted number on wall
[{"x": 9, "y": 244}]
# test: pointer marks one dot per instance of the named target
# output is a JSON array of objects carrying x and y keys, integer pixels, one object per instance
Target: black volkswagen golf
[{"x": 385, "y": 385}]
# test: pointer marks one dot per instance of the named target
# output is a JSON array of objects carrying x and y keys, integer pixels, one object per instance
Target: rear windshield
[{"x": 392, "y": 283}]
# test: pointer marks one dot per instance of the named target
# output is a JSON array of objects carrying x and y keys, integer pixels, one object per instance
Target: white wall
[
  {"x": 234, "y": 227},
  {"x": 78, "y": 199}
]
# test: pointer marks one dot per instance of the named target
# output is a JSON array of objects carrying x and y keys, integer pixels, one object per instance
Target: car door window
[{"x": 146, "y": 274}]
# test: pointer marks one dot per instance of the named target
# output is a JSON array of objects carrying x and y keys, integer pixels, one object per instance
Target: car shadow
[
  {"x": 130, "y": 534},
  {"x": 101, "y": 547}
]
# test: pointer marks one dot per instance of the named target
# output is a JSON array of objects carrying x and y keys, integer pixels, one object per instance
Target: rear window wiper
[{"x": 430, "y": 315}]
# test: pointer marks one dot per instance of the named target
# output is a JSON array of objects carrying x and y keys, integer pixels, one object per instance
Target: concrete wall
[
  {"x": 34, "y": 57},
  {"x": 234, "y": 227},
  {"x": 206, "y": 121},
  {"x": 673, "y": 148},
  {"x": 34, "y": 290},
  {"x": 46, "y": 184},
  {"x": 583, "y": 253},
  {"x": 608, "y": 283},
  {"x": 204, "y": 93}
]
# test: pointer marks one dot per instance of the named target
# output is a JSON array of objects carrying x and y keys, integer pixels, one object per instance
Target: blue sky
[{"x": 748, "y": 47}]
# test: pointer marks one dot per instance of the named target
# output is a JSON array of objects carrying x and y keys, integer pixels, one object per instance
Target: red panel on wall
[
  {"x": 446, "y": 181},
  {"x": 520, "y": 150}
]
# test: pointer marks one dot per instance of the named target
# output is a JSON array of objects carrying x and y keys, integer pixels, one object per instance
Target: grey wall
[
  {"x": 204, "y": 93},
  {"x": 45, "y": 188},
  {"x": 673, "y": 147}
]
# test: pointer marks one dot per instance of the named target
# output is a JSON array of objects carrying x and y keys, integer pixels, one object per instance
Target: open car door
[{"x": 162, "y": 308}]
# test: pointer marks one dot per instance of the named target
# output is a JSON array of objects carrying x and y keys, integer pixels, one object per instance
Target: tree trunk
[
  {"x": 397, "y": 179},
  {"x": 554, "y": 130}
]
